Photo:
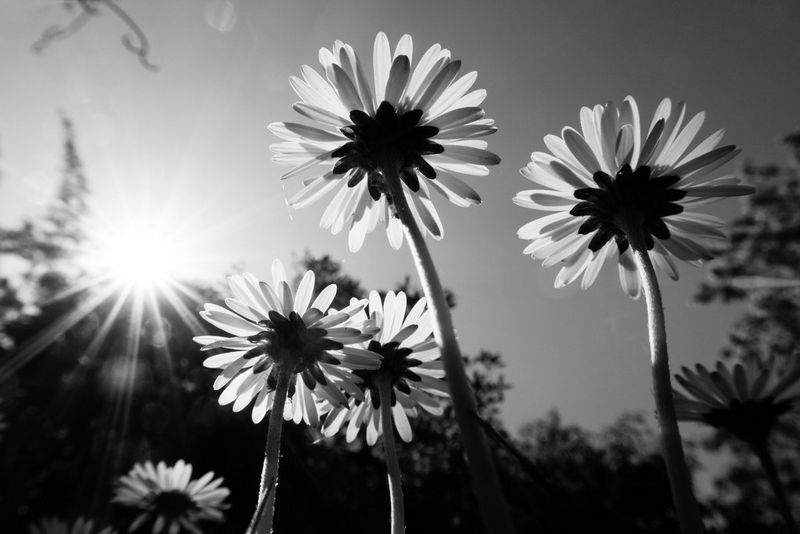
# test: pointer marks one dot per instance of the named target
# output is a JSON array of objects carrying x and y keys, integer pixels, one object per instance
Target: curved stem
[
  {"x": 485, "y": 482},
  {"x": 768, "y": 463},
  {"x": 261, "y": 523},
  {"x": 392, "y": 465},
  {"x": 679, "y": 478}
]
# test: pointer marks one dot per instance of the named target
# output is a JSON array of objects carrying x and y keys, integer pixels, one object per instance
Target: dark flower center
[
  {"x": 750, "y": 421},
  {"x": 386, "y": 137},
  {"x": 289, "y": 342},
  {"x": 173, "y": 503},
  {"x": 631, "y": 201},
  {"x": 395, "y": 368}
]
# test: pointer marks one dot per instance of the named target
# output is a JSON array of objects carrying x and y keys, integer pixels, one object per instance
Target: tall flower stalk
[
  {"x": 747, "y": 403},
  {"x": 617, "y": 190},
  {"x": 384, "y": 144},
  {"x": 486, "y": 484},
  {"x": 392, "y": 464},
  {"x": 679, "y": 477},
  {"x": 288, "y": 352}
]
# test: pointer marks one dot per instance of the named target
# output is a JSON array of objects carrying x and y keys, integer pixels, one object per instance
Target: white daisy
[
  {"x": 612, "y": 178},
  {"x": 52, "y": 525},
  {"x": 168, "y": 498},
  {"x": 410, "y": 363},
  {"x": 746, "y": 401},
  {"x": 273, "y": 324},
  {"x": 423, "y": 121}
]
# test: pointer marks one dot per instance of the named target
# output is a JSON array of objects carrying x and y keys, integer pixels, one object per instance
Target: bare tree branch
[{"x": 137, "y": 43}]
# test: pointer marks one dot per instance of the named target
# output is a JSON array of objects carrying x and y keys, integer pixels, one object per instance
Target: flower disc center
[
  {"x": 631, "y": 201},
  {"x": 289, "y": 342},
  {"x": 750, "y": 421},
  {"x": 386, "y": 137},
  {"x": 173, "y": 503},
  {"x": 394, "y": 369}
]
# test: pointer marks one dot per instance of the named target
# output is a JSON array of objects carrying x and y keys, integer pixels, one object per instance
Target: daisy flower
[
  {"x": 51, "y": 525},
  {"x": 168, "y": 498},
  {"x": 410, "y": 364},
  {"x": 409, "y": 376},
  {"x": 746, "y": 401},
  {"x": 274, "y": 325},
  {"x": 420, "y": 123},
  {"x": 613, "y": 178}
]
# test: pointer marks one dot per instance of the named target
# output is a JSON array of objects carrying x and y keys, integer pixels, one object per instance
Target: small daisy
[
  {"x": 420, "y": 123},
  {"x": 409, "y": 376},
  {"x": 168, "y": 498},
  {"x": 611, "y": 179},
  {"x": 51, "y": 525},
  {"x": 746, "y": 401},
  {"x": 410, "y": 365},
  {"x": 274, "y": 325}
]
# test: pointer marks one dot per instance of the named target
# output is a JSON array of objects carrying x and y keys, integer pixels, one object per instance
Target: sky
[{"x": 187, "y": 148}]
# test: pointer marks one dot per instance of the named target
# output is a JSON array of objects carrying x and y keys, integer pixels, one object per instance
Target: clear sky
[{"x": 188, "y": 145}]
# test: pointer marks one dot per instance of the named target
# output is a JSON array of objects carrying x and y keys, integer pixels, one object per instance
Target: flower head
[
  {"x": 612, "y": 179},
  {"x": 423, "y": 121},
  {"x": 273, "y": 326},
  {"x": 51, "y": 525},
  {"x": 746, "y": 401},
  {"x": 168, "y": 498},
  {"x": 409, "y": 363}
]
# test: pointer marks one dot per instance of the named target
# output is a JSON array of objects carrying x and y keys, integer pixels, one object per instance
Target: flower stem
[
  {"x": 261, "y": 523},
  {"x": 761, "y": 449},
  {"x": 679, "y": 478},
  {"x": 392, "y": 465},
  {"x": 485, "y": 482}
]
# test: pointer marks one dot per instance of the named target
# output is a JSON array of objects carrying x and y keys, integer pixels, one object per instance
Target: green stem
[
  {"x": 392, "y": 464},
  {"x": 768, "y": 463},
  {"x": 261, "y": 523},
  {"x": 680, "y": 479},
  {"x": 485, "y": 482}
]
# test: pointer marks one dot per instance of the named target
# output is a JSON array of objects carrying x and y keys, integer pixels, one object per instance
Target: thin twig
[{"x": 138, "y": 44}]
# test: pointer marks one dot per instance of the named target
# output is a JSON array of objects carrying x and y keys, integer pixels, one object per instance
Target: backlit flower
[
  {"x": 169, "y": 499},
  {"x": 275, "y": 325},
  {"x": 409, "y": 361},
  {"x": 746, "y": 401},
  {"x": 51, "y": 525},
  {"x": 424, "y": 121},
  {"x": 612, "y": 178}
]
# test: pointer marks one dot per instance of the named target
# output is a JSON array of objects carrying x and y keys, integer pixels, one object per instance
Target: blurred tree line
[{"x": 102, "y": 395}]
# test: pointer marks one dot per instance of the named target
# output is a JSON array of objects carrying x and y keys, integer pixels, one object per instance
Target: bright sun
[
  {"x": 137, "y": 254},
  {"x": 142, "y": 258}
]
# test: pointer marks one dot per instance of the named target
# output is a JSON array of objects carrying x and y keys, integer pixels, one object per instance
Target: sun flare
[
  {"x": 141, "y": 259},
  {"x": 139, "y": 254}
]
